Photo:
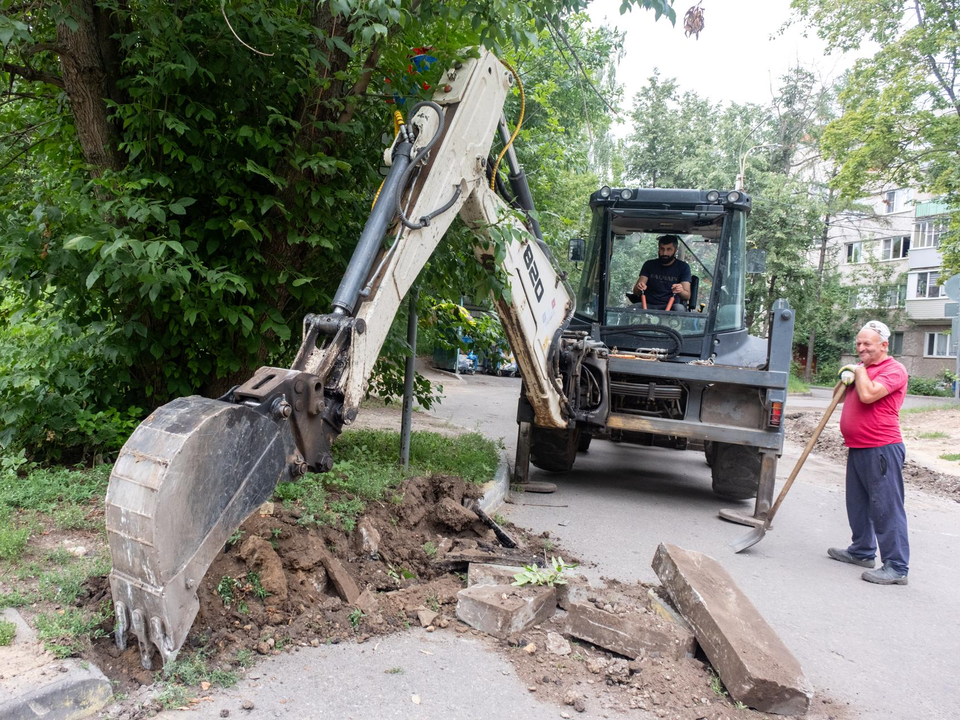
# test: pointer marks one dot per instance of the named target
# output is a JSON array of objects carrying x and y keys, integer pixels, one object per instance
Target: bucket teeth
[
  {"x": 140, "y": 630},
  {"x": 121, "y": 626}
]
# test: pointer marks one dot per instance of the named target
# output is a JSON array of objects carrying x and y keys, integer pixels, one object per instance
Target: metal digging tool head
[
  {"x": 183, "y": 482},
  {"x": 751, "y": 538}
]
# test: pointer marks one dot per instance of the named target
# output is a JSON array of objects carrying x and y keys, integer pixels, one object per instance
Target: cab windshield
[{"x": 711, "y": 244}]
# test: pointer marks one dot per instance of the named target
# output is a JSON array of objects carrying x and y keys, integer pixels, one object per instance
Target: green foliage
[
  {"x": 355, "y": 616},
  {"x": 66, "y": 632},
  {"x": 13, "y": 540},
  {"x": 179, "y": 678},
  {"x": 430, "y": 548},
  {"x": 950, "y": 456},
  {"x": 7, "y": 631},
  {"x": 44, "y": 488},
  {"x": 934, "y": 387},
  {"x": 167, "y": 236},
  {"x": 919, "y": 409},
  {"x": 936, "y": 435},
  {"x": 227, "y": 590},
  {"x": 551, "y": 576},
  {"x": 254, "y": 579}
]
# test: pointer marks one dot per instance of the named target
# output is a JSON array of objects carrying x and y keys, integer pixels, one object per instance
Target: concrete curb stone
[
  {"x": 37, "y": 685},
  {"x": 495, "y": 491}
]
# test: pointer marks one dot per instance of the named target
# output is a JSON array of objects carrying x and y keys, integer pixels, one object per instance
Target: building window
[
  {"x": 926, "y": 233},
  {"x": 896, "y": 344},
  {"x": 927, "y": 285},
  {"x": 894, "y": 248},
  {"x": 895, "y": 201},
  {"x": 854, "y": 252},
  {"x": 939, "y": 344}
]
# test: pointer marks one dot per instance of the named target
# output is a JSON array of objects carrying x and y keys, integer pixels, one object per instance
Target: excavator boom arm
[{"x": 193, "y": 471}]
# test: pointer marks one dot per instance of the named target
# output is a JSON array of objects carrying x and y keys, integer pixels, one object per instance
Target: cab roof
[{"x": 670, "y": 199}]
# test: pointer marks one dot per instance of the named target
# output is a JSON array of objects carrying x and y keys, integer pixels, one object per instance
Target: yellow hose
[
  {"x": 397, "y": 122},
  {"x": 523, "y": 105}
]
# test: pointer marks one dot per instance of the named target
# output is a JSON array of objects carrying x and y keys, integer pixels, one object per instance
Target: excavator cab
[{"x": 624, "y": 231}]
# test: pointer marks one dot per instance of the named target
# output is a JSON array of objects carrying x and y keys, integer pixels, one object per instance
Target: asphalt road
[{"x": 890, "y": 652}]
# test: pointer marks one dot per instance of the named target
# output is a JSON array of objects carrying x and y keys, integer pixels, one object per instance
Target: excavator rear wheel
[
  {"x": 553, "y": 450},
  {"x": 735, "y": 470}
]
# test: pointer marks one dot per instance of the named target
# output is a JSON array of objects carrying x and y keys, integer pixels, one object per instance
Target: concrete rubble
[
  {"x": 751, "y": 660},
  {"x": 629, "y": 632},
  {"x": 502, "y": 610}
]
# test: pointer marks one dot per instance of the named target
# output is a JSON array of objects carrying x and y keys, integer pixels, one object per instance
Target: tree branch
[
  {"x": 932, "y": 62},
  {"x": 360, "y": 86},
  {"x": 28, "y": 73},
  {"x": 563, "y": 37}
]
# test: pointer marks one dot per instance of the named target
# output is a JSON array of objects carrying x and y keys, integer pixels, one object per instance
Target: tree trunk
[
  {"x": 812, "y": 337},
  {"x": 88, "y": 61}
]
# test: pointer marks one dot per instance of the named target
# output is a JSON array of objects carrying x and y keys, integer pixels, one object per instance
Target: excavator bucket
[{"x": 184, "y": 481}]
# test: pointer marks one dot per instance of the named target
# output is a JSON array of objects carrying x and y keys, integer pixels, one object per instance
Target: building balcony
[
  {"x": 924, "y": 258},
  {"x": 927, "y": 310}
]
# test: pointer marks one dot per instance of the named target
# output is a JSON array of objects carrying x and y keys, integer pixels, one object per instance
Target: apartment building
[{"x": 891, "y": 257}]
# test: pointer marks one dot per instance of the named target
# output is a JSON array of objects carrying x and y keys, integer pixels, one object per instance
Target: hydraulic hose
[
  {"x": 424, "y": 219},
  {"x": 523, "y": 106}
]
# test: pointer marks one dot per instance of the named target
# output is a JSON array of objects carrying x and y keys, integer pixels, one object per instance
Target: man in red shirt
[{"x": 870, "y": 425}]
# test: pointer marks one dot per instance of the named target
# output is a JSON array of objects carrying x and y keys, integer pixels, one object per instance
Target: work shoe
[
  {"x": 843, "y": 555},
  {"x": 885, "y": 576}
]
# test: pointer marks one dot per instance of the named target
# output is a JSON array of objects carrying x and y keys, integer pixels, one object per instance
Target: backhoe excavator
[{"x": 193, "y": 471}]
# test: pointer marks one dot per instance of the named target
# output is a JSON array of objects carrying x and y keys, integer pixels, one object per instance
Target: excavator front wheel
[{"x": 554, "y": 450}]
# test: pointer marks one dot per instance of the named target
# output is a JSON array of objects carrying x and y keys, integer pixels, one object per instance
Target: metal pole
[{"x": 409, "y": 373}]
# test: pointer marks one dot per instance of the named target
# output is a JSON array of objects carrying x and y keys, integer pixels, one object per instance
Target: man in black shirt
[{"x": 665, "y": 276}]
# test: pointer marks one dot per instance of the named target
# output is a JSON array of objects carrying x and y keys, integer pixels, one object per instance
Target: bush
[
  {"x": 935, "y": 387},
  {"x": 54, "y": 402}
]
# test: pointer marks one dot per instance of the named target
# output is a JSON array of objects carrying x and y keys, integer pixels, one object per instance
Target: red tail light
[{"x": 776, "y": 414}]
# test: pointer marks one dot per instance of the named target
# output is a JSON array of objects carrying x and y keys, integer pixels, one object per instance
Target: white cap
[{"x": 879, "y": 328}]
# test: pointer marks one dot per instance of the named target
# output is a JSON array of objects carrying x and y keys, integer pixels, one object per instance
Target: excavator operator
[{"x": 665, "y": 280}]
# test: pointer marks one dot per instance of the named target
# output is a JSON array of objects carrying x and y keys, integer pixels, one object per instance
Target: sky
[{"x": 739, "y": 57}]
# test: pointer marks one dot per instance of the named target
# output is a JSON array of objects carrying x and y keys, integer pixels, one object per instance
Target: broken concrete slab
[
  {"x": 502, "y": 610},
  {"x": 665, "y": 610},
  {"x": 629, "y": 633},
  {"x": 751, "y": 660},
  {"x": 34, "y": 684},
  {"x": 337, "y": 574},
  {"x": 484, "y": 574}
]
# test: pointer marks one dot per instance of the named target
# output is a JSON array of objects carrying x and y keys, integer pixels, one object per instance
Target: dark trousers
[{"x": 875, "y": 505}]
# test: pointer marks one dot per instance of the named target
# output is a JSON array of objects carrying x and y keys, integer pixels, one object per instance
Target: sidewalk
[{"x": 34, "y": 684}]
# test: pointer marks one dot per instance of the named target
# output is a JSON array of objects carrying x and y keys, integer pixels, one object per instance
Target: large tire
[
  {"x": 735, "y": 471},
  {"x": 553, "y": 450},
  {"x": 709, "y": 452},
  {"x": 584, "y": 444}
]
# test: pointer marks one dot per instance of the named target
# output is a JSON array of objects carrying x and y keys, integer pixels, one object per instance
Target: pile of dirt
[
  {"x": 800, "y": 425},
  {"x": 281, "y": 585}
]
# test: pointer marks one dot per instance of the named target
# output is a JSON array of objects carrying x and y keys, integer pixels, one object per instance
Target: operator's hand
[
  {"x": 846, "y": 374},
  {"x": 641, "y": 286},
  {"x": 676, "y": 288}
]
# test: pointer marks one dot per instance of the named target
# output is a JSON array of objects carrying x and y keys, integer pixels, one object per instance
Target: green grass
[
  {"x": 930, "y": 408},
  {"x": 367, "y": 469},
  {"x": 179, "y": 678},
  {"x": 950, "y": 456},
  {"x": 938, "y": 435},
  {"x": 797, "y": 386},
  {"x": 7, "y": 631},
  {"x": 65, "y": 632},
  {"x": 44, "y": 489},
  {"x": 13, "y": 541}
]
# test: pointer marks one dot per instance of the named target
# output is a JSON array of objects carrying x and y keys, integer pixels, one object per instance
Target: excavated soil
[
  {"x": 801, "y": 424},
  {"x": 400, "y": 560}
]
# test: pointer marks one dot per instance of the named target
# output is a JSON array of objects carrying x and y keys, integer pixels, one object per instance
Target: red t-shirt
[{"x": 878, "y": 423}]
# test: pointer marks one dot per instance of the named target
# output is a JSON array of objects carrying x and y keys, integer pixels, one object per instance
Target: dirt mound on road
[{"x": 800, "y": 425}]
